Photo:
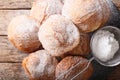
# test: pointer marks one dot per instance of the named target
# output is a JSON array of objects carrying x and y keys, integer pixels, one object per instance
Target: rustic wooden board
[
  {"x": 17, "y": 4},
  {"x": 6, "y": 16},
  {"x": 10, "y": 4},
  {"x": 10, "y": 57},
  {"x": 12, "y": 71},
  {"x": 8, "y": 53}
]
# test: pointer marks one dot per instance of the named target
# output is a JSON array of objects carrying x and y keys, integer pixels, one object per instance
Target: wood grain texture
[
  {"x": 12, "y": 71},
  {"x": 8, "y": 53},
  {"x": 6, "y": 16},
  {"x": 10, "y": 4},
  {"x": 10, "y": 57}
]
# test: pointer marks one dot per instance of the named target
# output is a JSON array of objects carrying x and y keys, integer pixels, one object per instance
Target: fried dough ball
[
  {"x": 42, "y": 9},
  {"x": 22, "y": 33},
  {"x": 58, "y": 35},
  {"x": 88, "y": 15},
  {"x": 40, "y": 66},
  {"x": 67, "y": 63}
]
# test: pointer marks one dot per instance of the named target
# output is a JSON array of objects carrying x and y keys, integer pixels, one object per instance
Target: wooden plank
[
  {"x": 12, "y": 71},
  {"x": 27, "y": 3},
  {"x": 117, "y": 3},
  {"x": 10, "y": 4},
  {"x": 6, "y": 16},
  {"x": 8, "y": 53}
]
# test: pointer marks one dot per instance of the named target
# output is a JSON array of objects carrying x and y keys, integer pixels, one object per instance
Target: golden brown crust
[
  {"x": 42, "y": 9},
  {"x": 58, "y": 35},
  {"x": 83, "y": 47},
  {"x": 88, "y": 15},
  {"x": 68, "y": 63},
  {"x": 22, "y": 32},
  {"x": 40, "y": 66},
  {"x": 25, "y": 68},
  {"x": 105, "y": 10}
]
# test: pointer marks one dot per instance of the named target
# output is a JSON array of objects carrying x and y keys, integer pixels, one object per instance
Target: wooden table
[{"x": 11, "y": 58}]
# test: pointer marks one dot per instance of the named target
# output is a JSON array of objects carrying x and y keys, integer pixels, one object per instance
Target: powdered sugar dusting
[
  {"x": 22, "y": 32},
  {"x": 41, "y": 65},
  {"x": 58, "y": 35},
  {"x": 84, "y": 13},
  {"x": 42, "y": 9}
]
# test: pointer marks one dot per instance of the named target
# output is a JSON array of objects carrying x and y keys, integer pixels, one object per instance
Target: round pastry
[
  {"x": 22, "y": 33},
  {"x": 58, "y": 35},
  {"x": 63, "y": 71},
  {"x": 42, "y": 9},
  {"x": 88, "y": 15},
  {"x": 40, "y": 66},
  {"x": 83, "y": 48}
]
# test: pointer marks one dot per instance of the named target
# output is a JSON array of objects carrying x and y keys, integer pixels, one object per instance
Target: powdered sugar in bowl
[{"x": 105, "y": 46}]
